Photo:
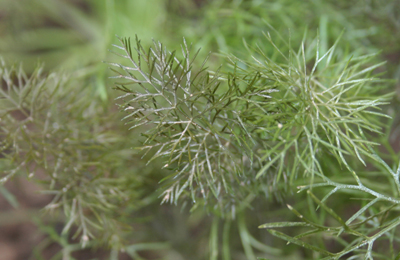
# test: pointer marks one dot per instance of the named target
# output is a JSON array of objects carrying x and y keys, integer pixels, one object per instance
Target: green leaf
[
  {"x": 284, "y": 224},
  {"x": 299, "y": 242},
  {"x": 9, "y": 197}
]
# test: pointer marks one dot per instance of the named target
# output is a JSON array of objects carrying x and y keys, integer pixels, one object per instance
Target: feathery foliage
[
  {"x": 192, "y": 120},
  {"x": 260, "y": 123},
  {"x": 285, "y": 110},
  {"x": 58, "y": 138}
]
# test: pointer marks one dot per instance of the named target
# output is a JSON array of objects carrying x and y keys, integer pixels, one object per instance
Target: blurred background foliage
[{"x": 73, "y": 38}]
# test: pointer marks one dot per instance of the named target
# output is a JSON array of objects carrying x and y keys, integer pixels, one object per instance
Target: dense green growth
[{"x": 299, "y": 113}]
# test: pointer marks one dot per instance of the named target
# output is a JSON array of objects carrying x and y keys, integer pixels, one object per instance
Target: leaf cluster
[
  {"x": 53, "y": 134},
  {"x": 369, "y": 233},
  {"x": 230, "y": 135},
  {"x": 278, "y": 114},
  {"x": 198, "y": 122}
]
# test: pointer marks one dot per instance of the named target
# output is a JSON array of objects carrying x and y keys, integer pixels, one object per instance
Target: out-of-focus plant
[
  {"x": 52, "y": 133},
  {"x": 74, "y": 35}
]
